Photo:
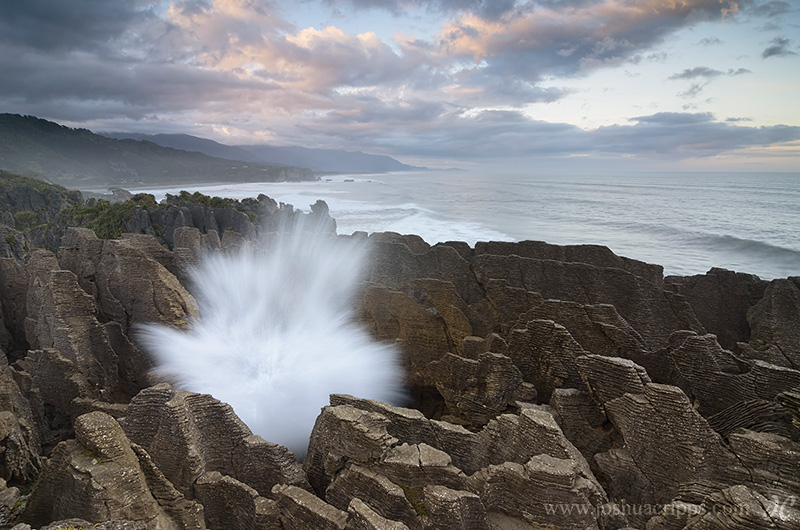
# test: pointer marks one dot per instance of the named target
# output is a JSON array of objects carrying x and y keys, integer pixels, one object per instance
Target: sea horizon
[{"x": 688, "y": 222}]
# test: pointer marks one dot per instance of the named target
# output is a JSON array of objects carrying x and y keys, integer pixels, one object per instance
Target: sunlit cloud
[{"x": 245, "y": 71}]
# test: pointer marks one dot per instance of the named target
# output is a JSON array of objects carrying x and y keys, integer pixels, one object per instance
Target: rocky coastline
[{"x": 558, "y": 387}]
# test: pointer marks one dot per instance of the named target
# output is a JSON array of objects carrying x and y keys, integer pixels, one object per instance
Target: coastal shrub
[
  {"x": 184, "y": 198},
  {"x": 108, "y": 220},
  {"x": 26, "y": 219}
]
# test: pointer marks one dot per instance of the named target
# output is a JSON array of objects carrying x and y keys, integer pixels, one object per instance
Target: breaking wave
[{"x": 277, "y": 335}]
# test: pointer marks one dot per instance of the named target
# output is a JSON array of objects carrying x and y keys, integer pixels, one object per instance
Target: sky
[{"x": 579, "y": 85}]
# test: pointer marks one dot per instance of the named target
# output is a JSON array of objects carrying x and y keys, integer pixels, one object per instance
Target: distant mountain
[
  {"x": 319, "y": 160},
  {"x": 79, "y": 158},
  {"x": 186, "y": 142},
  {"x": 328, "y": 160}
]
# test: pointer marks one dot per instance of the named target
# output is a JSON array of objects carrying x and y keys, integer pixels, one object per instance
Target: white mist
[{"x": 277, "y": 335}]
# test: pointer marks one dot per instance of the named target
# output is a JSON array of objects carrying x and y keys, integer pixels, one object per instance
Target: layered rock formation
[{"x": 550, "y": 387}]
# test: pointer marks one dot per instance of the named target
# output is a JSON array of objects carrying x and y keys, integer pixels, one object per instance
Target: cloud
[
  {"x": 779, "y": 48},
  {"x": 687, "y": 135},
  {"x": 55, "y": 25},
  {"x": 693, "y": 91},
  {"x": 710, "y": 41},
  {"x": 555, "y": 41},
  {"x": 694, "y": 73},
  {"x": 240, "y": 68},
  {"x": 708, "y": 73},
  {"x": 771, "y": 9},
  {"x": 493, "y": 134},
  {"x": 705, "y": 73},
  {"x": 491, "y": 9}
]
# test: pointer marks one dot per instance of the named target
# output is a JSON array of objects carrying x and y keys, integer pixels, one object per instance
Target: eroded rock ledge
[{"x": 552, "y": 387}]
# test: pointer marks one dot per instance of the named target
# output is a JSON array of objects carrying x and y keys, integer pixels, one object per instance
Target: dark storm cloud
[
  {"x": 60, "y": 25},
  {"x": 79, "y": 81},
  {"x": 779, "y": 48}
]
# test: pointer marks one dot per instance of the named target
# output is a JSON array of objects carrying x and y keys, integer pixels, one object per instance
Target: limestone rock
[
  {"x": 393, "y": 315},
  {"x": 545, "y": 354},
  {"x": 300, "y": 510},
  {"x": 362, "y": 517},
  {"x": 342, "y": 433},
  {"x": 189, "y": 434},
  {"x": 476, "y": 391},
  {"x": 365, "y": 430},
  {"x": 13, "y": 302},
  {"x": 130, "y": 284},
  {"x": 608, "y": 378},
  {"x": 717, "y": 379},
  {"x": 19, "y": 438},
  {"x": 402, "y": 423},
  {"x": 582, "y": 421},
  {"x": 591, "y": 254},
  {"x": 51, "y": 383},
  {"x": 396, "y": 267},
  {"x": 756, "y": 415},
  {"x": 741, "y": 508},
  {"x": 228, "y": 503},
  {"x": 74, "y": 355},
  {"x": 413, "y": 242},
  {"x": 416, "y": 465},
  {"x": 651, "y": 311},
  {"x": 452, "y": 309},
  {"x": 598, "y": 328},
  {"x": 624, "y": 480},
  {"x": 791, "y": 400},
  {"x": 775, "y": 335},
  {"x": 98, "y": 477},
  {"x": 454, "y": 509},
  {"x": 537, "y": 492},
  {"x": 384, "y": 497},
  {"x": 772, "y": 460},
  {"x": 721, "y": 299},
  {"x": 60, "y": 315},
  {"x": 670, "y": 442}
]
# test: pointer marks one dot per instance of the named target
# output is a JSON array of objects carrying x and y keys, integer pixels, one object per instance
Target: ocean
[{"x": 686, "y": 222}]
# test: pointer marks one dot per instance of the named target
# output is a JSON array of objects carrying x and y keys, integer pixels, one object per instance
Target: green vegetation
[
  {"x": 184, "y": 198},
  {"x": 12, "y": 180},
  {"x": 10, "y": 240},
  {"x": 26, "y": 220},
  {"x": 416, "y": 497},
  {"x": 108, "y": 220}
]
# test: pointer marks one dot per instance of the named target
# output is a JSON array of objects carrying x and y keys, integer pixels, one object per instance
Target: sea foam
[{"x": 278, "y": 334}]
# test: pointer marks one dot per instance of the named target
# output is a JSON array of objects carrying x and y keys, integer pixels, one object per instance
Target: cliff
[
  {"x": 37, "y": 214},
  {"x": 551, "y": 387}
]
